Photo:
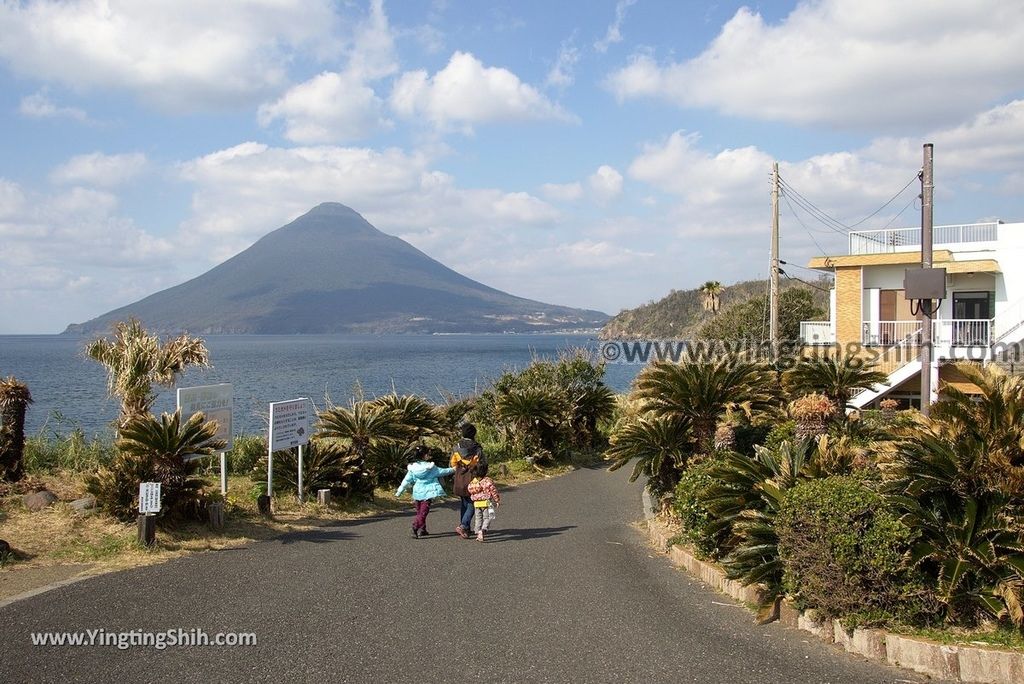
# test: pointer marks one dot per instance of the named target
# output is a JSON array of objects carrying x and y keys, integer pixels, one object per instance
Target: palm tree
[
  {"x": 711, "y": 296},
  {"x": 711, "y": 293},
  {"x": 835, "y": 377},
  {"x": 14, "y": 401},
  {"x": 661, "y": 445},
  {"x": 136, "y": 360},
  {"x": 163, "y": 450},
  {"x": 705, "y": 391}
]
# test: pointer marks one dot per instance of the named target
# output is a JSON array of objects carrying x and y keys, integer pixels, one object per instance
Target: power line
[
  {"x": 801, "y": 280},
  {"x": 801, "y": 222},
  {"x": 829, "y": 221},
  {"x": 891, "y": 200},
  {"x": 815, "y": 211}
]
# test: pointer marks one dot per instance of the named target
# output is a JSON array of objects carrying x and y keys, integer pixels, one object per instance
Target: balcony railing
[
  {"x": 906, "y": 239},
  {"x": 951, "y": 332},
  {"x": 945, "y": 331}
]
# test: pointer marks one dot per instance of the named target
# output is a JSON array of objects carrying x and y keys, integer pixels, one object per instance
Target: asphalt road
[{"x": 565, "y": 590}]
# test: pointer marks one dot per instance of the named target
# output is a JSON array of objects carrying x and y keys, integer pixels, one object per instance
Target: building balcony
[
  {"x": 954, "y": 332},
  {"x": 909, "y": 239}
]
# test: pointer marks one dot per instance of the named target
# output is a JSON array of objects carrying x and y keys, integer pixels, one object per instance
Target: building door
[{"x": 972, "y": 312}]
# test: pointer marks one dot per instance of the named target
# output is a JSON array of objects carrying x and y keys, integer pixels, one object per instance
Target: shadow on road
[
  {"x": 321, "y": 536},
  {"x": 502, "y": 535}
]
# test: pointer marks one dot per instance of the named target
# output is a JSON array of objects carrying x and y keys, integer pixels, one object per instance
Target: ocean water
[{"x": 70, "y": 391}]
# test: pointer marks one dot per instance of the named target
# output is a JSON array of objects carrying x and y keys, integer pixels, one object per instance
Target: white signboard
[
  {"x": 215, "y": 402},
  {"x": 149, "y": 497},
  {"x": 289, "y": 424}
]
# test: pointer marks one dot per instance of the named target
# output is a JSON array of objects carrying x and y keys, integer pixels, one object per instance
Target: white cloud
[
  {"x": 562, "y": 192},
  {"x": 100, "y": 170},
  {"x": 40, "y": 106},
  {"x": 179, "y": 54},
  {"x": 335, "y": 107},
  {"x": 329, "y": 108},
  {"x": 679, "y": 166},
  {"x": 244, "y": 191},
  {"x": 871, "y": 63},
  {"x": 605, "y": 183},
  {"x": 72, "y": 255},
  {"x": 467, "y": 92},
  {"x": 614, "y": 33},
  {"x": 561, "y": 73},
  {"x": 373, "y": 52}
]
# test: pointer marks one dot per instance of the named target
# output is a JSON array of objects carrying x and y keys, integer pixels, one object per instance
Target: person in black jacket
[{"x": 468, "y": 453}]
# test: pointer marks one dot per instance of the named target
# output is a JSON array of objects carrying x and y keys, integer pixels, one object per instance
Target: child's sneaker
[
  {"x": 480, "y": 536},
  {"x": 416, "y": 533},
  {"x": 461, "y": 532},
  {"x": 423, "y": 532}
]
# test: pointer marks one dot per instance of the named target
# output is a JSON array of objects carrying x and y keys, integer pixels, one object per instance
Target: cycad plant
[
  {"x": 953, "y": 477},
  {"x": 976, "y": 555},
  {"x": 706, "y": 391},
  {"x": 416, "y": 417},
  {"x": 164, "y": 450},
  {"x": 14, "y": 401},
  {"x": 325, "y": 465},
  {"x": 531, "y": 416},
  {"x": 661, "y": 446},
  {"x": 836, "y": 377},
  {"x": 357, "y": 430},
  {"x": 136, "y": 360},
  {"x": 743, "y": 503},
  {"x": 995, "y": 413}
]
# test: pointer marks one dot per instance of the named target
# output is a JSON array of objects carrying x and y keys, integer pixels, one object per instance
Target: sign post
[
  {"x": 216, "y": 403},
  {"x": 289, "y": 427},
  {"x": 149, "y": 506}
]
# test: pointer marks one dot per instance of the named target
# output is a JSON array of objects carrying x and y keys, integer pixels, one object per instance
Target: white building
[{"x": 981, "y": 317}]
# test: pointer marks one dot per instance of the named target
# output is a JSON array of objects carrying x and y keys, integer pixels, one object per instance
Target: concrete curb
[{"x": 956, "y": 663}]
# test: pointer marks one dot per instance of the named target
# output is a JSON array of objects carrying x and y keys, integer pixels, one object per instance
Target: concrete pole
[
  {"x": 773, "y": 291},
  {"x": 927, "y": 189}
]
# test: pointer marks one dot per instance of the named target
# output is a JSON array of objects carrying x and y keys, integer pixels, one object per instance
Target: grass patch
[{"x": 996, "y": 636}]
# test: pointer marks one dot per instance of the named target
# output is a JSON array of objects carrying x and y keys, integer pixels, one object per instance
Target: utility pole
[
  {"x": 773, "y": 290},
  {"x": 927, "y": 188}
]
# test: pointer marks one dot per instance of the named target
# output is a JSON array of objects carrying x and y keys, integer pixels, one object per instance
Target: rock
[
  {"x": 84, "y": 504},
  {"x": 37, "y": 501}
]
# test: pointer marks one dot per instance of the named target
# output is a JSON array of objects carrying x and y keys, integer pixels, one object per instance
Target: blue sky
[{"x": 583, "y": 152}]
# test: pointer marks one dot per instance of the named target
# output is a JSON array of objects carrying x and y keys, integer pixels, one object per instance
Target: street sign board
[
  {"x": 149, "y": 497},
  {"x": 289, "y": 423},
  {"x": 215, "y": 401}
]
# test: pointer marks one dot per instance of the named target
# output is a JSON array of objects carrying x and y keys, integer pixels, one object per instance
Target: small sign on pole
[
  {"x": 289, "y": 427},
  {"x": 149, "y": 498}
]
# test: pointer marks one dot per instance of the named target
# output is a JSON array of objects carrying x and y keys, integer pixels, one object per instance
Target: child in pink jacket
[{"x": 485, "y": 499}]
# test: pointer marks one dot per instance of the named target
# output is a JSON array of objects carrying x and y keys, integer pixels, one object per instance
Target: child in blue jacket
[{"x": 422, "y": 476}]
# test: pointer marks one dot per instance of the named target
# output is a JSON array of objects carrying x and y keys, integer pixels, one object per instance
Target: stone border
[{"x": 957, "y": 663}]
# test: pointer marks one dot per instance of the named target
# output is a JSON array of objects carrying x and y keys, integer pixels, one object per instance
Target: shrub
[
  {"x": 844, "y": 551},
  {"x": 246, "y": 452},
  {"x": 326, "y": 465},
  {"x": 694, "y": 517},
  {"x": 152, "y": 449},
  {"x": 779, "y": 433}
]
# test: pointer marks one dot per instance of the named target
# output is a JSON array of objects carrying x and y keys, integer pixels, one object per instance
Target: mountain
[
  {"x": 330, "y": 271},
  {"x": 681, "y": 314}
]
